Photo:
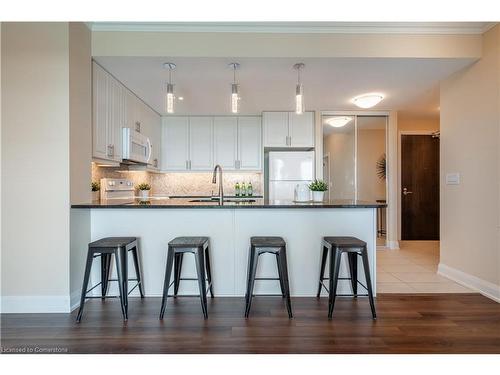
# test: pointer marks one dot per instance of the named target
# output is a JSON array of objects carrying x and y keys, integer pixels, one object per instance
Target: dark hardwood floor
[{"x": 444, "y": 323}]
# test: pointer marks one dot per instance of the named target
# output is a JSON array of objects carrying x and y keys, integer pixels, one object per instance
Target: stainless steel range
[{"x": 117, "y": 190}]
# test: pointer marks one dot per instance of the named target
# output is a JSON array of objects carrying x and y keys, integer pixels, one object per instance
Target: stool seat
[
  {"x": 267, "y": 241},
  {"x": 188, "y": 242},
  {"x": 112, "y": 242},
  {"x": 345, "y": 242}
]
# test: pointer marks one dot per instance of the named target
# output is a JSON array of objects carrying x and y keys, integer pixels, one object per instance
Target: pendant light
[
  {"x": 235, "y": 98},
  {"x": 299, "y": 91},
  {"x": 169, "y": 99}
]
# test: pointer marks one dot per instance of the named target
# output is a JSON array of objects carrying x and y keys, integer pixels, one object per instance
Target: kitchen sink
[{"x": 214, "y": 200}]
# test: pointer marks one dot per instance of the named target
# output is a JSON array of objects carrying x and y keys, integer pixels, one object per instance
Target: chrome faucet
[{"x": 214, "y": 181}]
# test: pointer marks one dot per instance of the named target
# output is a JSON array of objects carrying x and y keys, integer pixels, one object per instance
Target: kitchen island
[{"x": 230, "y": 227}]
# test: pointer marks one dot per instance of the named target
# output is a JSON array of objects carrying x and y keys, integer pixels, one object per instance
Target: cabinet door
[
  {"x": 175, "y": 131},
  {"x": 225, "y": 142},
  {"x": 130, "y": 104},
  {"x": 156, "y": 141},
  {"x": 200, "y": 143},
  {"x": 249, "y": 143},
  {"x": 116, "y": 113},
  {"x": 275, "y": 129},
  {"x": 301, "y": 129},
  {"x": 99, "y": 113}
]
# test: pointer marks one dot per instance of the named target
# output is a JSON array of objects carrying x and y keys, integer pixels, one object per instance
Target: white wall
[
  {"x": 80, "y": 132},
  {"x": 45, "y": 115},
  {"x": 470, "y": 145},
  {"x": 35, "y": 166}
]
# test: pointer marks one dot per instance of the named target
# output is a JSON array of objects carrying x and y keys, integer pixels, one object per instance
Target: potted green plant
[
  {"x": 144, "y": 189},
  {"x": 318, "y": 189},
  {"x": 95, "y": 187}
]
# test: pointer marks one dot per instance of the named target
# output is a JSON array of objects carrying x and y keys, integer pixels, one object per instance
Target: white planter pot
[
  {"x": 318, "y": 196},
  {"x": 144, "y": 194}
]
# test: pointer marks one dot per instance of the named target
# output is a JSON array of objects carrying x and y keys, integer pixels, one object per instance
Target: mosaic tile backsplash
[{"x": 181, "y": 183}]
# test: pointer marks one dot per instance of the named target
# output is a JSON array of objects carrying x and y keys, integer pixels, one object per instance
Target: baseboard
[
  {"x": 393, "y": 245},
  {"x": 75, "y": 299},
  {"x": 484, "y": 287},
  {"x": 34, "y": 304}
]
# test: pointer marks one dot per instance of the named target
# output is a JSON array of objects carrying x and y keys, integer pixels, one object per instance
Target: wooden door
[{"x": 419, "y": 187}]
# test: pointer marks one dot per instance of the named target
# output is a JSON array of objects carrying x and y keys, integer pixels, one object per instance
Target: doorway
[{"x": 419, "y": 187}]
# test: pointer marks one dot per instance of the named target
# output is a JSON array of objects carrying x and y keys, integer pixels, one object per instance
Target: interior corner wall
[
  {"x": 470, "y": 145},
  {"x": 35, "y": 167},
  {"x": 80, "y": 117}
]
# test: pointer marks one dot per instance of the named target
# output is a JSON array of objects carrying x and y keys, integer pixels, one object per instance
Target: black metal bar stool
[
  {"x": 336, "y": 246},
  {"x": 259, "y": 246},
  {"x": 199, "y": 246},
  {"x": 105, "y": 248}
]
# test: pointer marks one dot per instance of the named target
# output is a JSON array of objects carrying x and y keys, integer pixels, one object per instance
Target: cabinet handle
[
  {"x": 289, "y": 140},
  {"x": 156, "y": 163},
  {"x": 138, "y": 126},
  {"x": 187, "y": 164},
  {"x": 110, "y": 150},
  {"x": 190, "y": 165}
]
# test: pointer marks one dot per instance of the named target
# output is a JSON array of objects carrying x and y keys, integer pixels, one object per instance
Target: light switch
[{"x": 453, "y": 178}]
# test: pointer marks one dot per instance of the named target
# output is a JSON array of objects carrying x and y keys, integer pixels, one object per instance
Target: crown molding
[{"x": 473, "y": 28}]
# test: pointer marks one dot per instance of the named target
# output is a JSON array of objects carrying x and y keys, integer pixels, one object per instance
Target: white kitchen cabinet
[
  {"x": 99, "y": 113},
  {"x": 108, "y": 115},
  {"x": 249, "y": 143},
  {"x": 200, "y": 143},
  {"x": 288, "y": 129},
  {"x": 275, "y": 129},
  {"x": 175, "y": 143},
  {"x": 226, "y": 142}
]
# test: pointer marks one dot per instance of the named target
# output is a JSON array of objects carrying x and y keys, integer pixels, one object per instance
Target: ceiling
[
  {"x": 269, "y": 83},
  {"x": 300, "y": 27}
]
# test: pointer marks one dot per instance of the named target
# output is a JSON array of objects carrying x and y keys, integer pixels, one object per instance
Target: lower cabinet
[{"x": 198, "y": 143}]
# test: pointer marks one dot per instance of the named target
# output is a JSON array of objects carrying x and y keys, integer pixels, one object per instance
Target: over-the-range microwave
[{"x": 136, "y": 147}]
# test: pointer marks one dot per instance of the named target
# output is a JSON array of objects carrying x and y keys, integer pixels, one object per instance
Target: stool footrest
[
  {"x": 267, "y": 278},
  {"x": 267, "y": 295},
  {"x": 346, "y": 278}
]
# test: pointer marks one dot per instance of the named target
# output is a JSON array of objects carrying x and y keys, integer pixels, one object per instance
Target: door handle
[{"x": 406, "y": 192}]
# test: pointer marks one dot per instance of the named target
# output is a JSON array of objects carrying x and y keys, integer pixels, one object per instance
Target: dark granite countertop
[{"x": 194, "y": 202}]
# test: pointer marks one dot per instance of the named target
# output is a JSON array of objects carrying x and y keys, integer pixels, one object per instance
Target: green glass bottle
[
  {"x": 237, "y": 190},
  {"x": 243, "y": 190},
  {"x": 250, "y": 189}
]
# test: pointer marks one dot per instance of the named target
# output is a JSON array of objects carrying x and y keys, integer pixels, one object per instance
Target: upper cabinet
[
  {"x": 198, "y": 143},
  {"x": 116, "y": 107},
  {"x": 288, "y": 129}
]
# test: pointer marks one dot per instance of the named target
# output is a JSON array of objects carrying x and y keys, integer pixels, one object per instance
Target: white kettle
[{"x": 302, "y": 193}]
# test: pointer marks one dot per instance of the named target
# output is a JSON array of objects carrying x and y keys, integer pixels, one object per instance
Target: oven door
[{"x": 136, "y": 147}]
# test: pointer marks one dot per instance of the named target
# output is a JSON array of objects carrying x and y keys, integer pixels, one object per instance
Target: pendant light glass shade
[
  {"x": 299, "y": 99},
  {"x": 235, "y": 95},
  {"x": 169, "y": 98},
  {"x": 299, "y": 90},
  {"x": 234, "y": 98}
]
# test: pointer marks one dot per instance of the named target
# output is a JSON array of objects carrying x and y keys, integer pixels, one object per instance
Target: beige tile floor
[{"x": 413, "y": 269}]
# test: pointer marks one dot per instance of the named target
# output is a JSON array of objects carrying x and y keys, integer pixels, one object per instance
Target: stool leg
[
  {"x": 135, "y": 255},
  {"x": 249, "y": 273},
  {"x": 88, "y": 267},
  {"x": 177, "y": 271},
  {"x": 251, "y": 281},
  {"x": 122, "y": 280},
  {"x": 200, "y": 270},
  {"x": 334, "y": 278},
  {"x": 209, "y": 271},
  {"x": 105, "y": 271},
  {"x": 166, "y": 283},
  {"x": 353, "y": 270},
  {"x": 324, "y": 254},
  {"x": 286, "y": 283},
  {"x": 280, "y": 275},
  {"x": 364, "y": 256}
]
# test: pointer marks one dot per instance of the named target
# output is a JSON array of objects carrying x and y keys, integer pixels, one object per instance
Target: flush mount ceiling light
[
  {"x": 235, "y": 98},
  {"x": 368, "y": 100},
  {"x": 339, "y": 121},
  {"x": 299, "y": 90},
  {"x": 169, "y": 99}
]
